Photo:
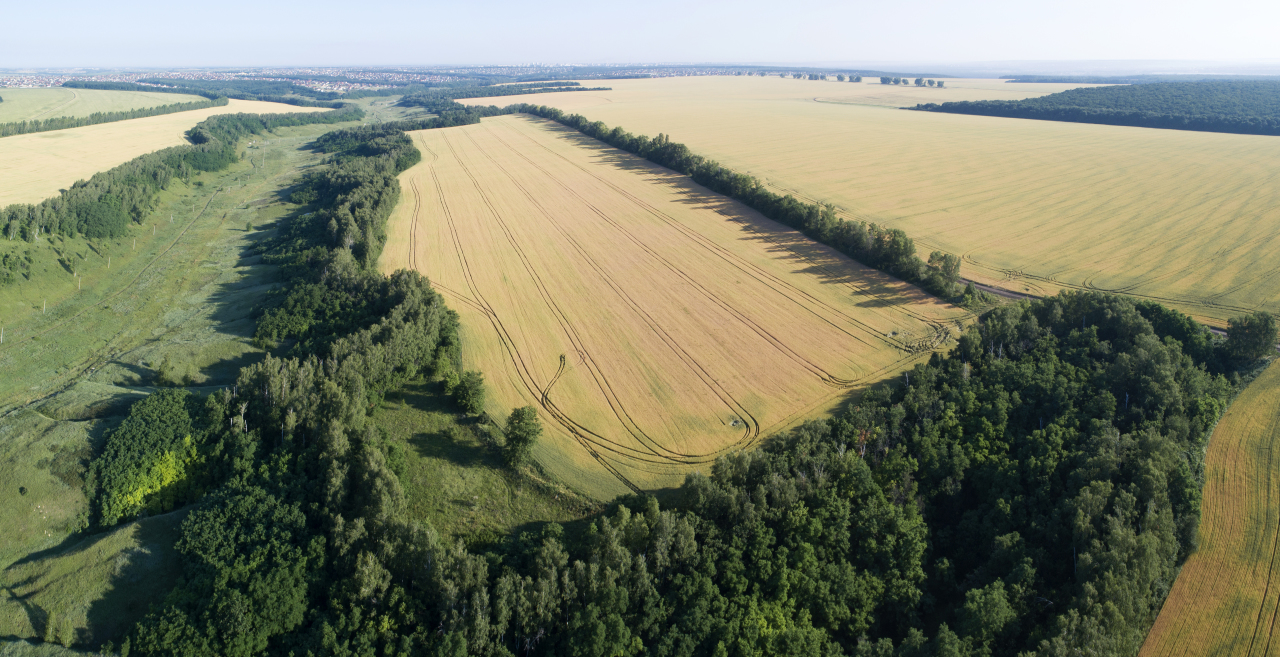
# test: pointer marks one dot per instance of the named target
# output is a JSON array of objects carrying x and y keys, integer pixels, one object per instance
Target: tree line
[
  {"x": 919, "y": 82},
  {"x": 1033, "y": 490},
  {"x": 286, "y": 93},
  {"x": 104, "y": 206},
  {"x": 1234, "y": 106},
  {"x": 887, "y": 249},
  {"x": 436, "y": 95},
  {"x": 64, "y": 122}
]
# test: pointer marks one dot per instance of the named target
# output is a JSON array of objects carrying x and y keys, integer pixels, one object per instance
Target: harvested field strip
[
  {"x": 1226, "y": 600},
  {"x": 655, "y": 325}
]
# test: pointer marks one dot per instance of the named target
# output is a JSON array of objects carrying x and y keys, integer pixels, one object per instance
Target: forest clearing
[
  {"x": 655, "y": 324},
  {"x": 1223, "y": 602},
  {"x": 35, "y": 166},
  {"x": 1184, "y": 218}
]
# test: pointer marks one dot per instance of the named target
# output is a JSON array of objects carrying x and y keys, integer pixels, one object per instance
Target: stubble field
[
  {"x": 1226, "y": 600},
  {"x": 35, "y": 166},
  {"x": 1186, "y": 218},
  {"x": 655, "y": 325},
  {"x": 32, "y": 104}
]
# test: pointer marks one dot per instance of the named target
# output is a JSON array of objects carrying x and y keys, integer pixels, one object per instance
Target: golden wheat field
[
  {"x": 33, "y": 104},
  {"x": 1186, "y": 218},
  {"x": 1226, "y": 600},
  {"x": 35, "y": 166},
  {"x": 655, "y": 325}
]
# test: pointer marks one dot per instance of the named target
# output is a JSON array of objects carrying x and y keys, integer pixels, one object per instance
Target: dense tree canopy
[{"x": 1239, "y": 106}]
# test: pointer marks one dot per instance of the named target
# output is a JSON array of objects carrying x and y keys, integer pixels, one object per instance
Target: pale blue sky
[{"x": 391, "y": 32}]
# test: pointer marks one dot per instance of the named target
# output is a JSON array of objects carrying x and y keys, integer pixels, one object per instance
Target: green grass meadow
[{"x": 454, "y": 477}]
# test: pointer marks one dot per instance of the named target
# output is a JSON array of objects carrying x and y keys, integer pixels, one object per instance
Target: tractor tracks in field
[
  {"x": 74, "y": 97},
  {"x": 751, "y": 429},
  {"x": 826, "y": 377},
  {"x": 517, "y": 359},
  {"x": 605, "y": 386},
  {"x": 782, "y": 287}
]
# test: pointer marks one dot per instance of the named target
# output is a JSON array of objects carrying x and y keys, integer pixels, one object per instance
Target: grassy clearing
[
  {"x": 1188, "y": 219},
  {"x": 1226, "y": 600},
  {"x": 31, "y": 104},
  {"x": 454, "y": 478},
  {"x": 656, "y": 325},
  {"x": 95, "y": 589},
  {"x": 35, "y": 166}
]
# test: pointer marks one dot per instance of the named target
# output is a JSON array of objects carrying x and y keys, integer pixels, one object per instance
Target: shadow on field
[
  {"x": 458, "y": 444},
  {"x": 37, "y": 617},
  {"x": 782, "y": 243},
  {"x": 141, "y": 576}
]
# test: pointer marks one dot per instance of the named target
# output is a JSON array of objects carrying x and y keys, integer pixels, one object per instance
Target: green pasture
[{"x": 31, "y": 104}]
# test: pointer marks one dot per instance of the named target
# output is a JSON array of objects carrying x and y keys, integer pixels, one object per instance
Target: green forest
[
  {"x": 1033, "y": 491},
  {"x": 1237, "y": 106}
]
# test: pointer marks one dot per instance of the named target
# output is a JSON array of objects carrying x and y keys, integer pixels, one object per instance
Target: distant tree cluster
[
  {"x": 1235, "y": 106},
  {"x": 919, "y": 82}
]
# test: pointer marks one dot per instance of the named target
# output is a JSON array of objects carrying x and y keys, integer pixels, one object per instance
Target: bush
[
  {"x": 145, "y": 461},
  {"x": 1250, "y": 337},
  {"x": 470, "y": 392},
  {"x": 523, "y": 430}
]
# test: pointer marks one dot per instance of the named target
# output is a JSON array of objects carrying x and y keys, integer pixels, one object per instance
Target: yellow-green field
[
  {"x": 32, "y": 104},
  {"x": 1190, "y": 219},
  {"x": 34, "y": 167},
  {"x": 1226, "y": 600},
  {"x": 654, "y": 324}
]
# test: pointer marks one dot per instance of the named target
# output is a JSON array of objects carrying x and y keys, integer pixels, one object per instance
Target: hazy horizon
[{"x": 150, "y": 34}]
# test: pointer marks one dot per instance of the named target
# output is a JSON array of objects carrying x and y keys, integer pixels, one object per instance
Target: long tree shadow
[
  {"x": 142, "y": 576},
  {"x": 457, "y": 443},
  {"x": 806, "y": 255}
]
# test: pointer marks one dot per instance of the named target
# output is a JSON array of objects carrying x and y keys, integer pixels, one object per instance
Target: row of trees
[
  {"x": 103, "y": 206},
  {"x": 64, "y": 122},
  {"x": 276, "y": 92},
  {"x": 887, "y": 249},
  {"x": 434, "y": 96},
  {"x": 840, "y": 77},
  {"x": 919, "y": 82},
  {"x": 1242, "y": 107}
]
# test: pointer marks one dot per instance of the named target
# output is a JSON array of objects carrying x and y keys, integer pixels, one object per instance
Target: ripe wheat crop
[
  {"x": 1190, "y": 219},
  {"x": 1226, "y": 600},
  {"x": 655, "y": 325}
]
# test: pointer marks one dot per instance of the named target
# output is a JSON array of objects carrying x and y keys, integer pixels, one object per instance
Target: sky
[{"x": 149, "y": 33}]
